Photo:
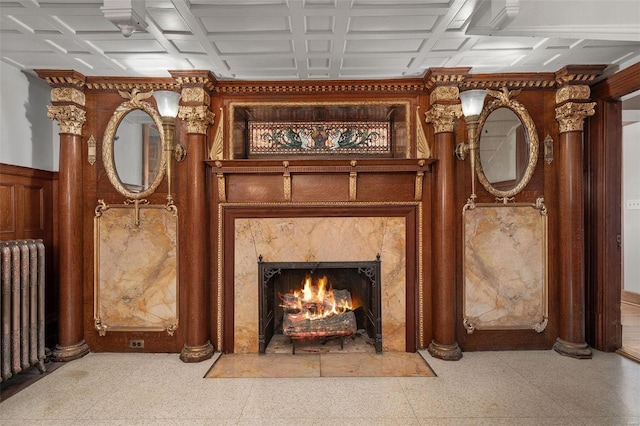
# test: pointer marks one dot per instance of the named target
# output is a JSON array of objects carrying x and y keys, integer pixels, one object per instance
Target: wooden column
[
  {"x": 68, "y": 110},
  {"x": 444, "y": 216},
  {"x": 571, "y": 341},
  {"x": 195, "y": 112}
]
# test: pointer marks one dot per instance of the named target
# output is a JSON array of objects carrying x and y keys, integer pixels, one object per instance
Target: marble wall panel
[
  {"x": 136, "y": 284},
  {"x": 505, "y": 267},
  {"x": 320, "y": 239}
]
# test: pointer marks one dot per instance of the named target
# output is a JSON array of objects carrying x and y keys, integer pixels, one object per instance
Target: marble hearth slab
[{"x": 387, "y": 364}]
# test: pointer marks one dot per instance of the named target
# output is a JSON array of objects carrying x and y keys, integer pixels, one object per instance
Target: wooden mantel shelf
[
  {"x": 237, "y": 177},
  {"x": 378, "y": 165}
]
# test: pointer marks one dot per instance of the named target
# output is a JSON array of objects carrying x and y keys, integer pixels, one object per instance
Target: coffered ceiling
[{"x": 317, "y": 39}]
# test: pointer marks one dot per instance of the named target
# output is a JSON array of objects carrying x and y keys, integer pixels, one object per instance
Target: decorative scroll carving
[
  {"x": 91, "y": 151},
  {"x": 195, "y": 94},
  {"x": 571, "y": 115},
  {"x": 444, "y": 93},
  {"x": 422, "y": 145},
  {"x": 443, "y": 117},
  {"x": 217, "y": 147},
  {"x": 70, "y": 118},
  {"x": 68, "y": 94},
  {"x": 198, "y": 118},
  {"x": 573, "y": 92}
]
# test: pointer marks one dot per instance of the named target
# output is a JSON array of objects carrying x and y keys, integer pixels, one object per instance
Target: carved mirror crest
[
  {"x": 133, "y": 146},
  {"x": 508, "y": 145}
]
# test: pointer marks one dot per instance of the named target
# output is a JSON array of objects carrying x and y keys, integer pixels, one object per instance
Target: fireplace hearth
[{"x": 355, "y": 286}]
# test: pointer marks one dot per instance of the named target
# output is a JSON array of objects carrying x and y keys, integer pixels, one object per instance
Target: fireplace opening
[{"x": 318, "y": 300}]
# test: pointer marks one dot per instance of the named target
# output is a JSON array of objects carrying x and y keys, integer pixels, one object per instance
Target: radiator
[{"x": 21, "y": 307}]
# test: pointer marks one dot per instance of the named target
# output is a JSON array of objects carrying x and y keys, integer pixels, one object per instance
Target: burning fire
[{"x": 317, "y": 300}]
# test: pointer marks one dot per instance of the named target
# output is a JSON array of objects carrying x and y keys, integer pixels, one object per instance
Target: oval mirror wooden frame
[
  {"x": 503, "y": 99},
  {"x": 135, "y": 102}
]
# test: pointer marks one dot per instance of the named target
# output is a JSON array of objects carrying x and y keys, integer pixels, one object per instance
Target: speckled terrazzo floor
[{"x": 483, "y": 388}]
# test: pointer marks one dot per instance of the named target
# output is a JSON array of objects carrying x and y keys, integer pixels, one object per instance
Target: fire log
[{"x": 297, "y": 326}]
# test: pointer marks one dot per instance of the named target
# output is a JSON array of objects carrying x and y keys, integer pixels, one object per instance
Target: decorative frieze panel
[{"x": 364, "y": 138}]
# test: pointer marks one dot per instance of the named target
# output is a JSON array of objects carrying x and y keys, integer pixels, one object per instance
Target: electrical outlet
[
  {"x": 633, "y": 204},
  {"x": 137, "y": 344}
]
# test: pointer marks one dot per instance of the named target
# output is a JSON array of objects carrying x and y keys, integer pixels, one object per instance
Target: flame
[{"x": 317, "y": 300}]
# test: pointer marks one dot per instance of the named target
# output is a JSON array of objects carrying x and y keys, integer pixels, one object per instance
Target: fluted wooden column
[
  {"x": 570, "y": 115},
  {"x": 444, "y": 216},
  {"x": 68, "y": 110},
  {"x": 198, "y": 118}
]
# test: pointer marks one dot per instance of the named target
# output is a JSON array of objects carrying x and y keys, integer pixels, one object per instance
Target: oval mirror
[
  {"x": 133, "y": 151},
  {"x": 508, "y": 147}
]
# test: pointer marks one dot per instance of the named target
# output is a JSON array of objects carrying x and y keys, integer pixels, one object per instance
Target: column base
[
  {"x": 573, "y": 350},
  {"x": 196, "y": 353},
  {"x": 445, "y": 352},
  {"x": 70, "y": 352}
]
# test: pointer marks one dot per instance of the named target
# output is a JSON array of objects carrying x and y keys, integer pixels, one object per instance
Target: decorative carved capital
[
  {"x": 70, "y": 118},
  {"x": 68, "y": 94},
  {"x": 571, "y": 115},
  {"x": 195, "y": 94},
  {"x": 198, "y": 118},
  {"x": 443, "y": 117},
  {"x": 444, "y": 93},
  {"x": 573, "y": 92}
]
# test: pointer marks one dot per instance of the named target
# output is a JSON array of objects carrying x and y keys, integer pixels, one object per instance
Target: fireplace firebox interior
[{"x": 359, "y": 281}]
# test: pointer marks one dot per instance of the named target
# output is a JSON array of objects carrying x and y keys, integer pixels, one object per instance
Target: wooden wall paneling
[
  {"x": 551, "y": 128},
  {"x": 8, "y": 206},
  {"x": 28, "y": 211},
  {"x": 604, "y": 198},
  {"x": 540, "y": 106},
  {"x": 102, "y": 98},
  {"x": 603, "y": 218}
]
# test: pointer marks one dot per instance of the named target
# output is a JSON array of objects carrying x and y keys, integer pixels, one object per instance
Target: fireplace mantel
[
  {"x": 272, "y": 166},
  {"x": 333, "y": 173}
]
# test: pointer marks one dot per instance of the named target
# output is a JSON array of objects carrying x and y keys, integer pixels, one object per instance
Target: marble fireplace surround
[{"x": 304, "y": 236}]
